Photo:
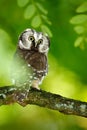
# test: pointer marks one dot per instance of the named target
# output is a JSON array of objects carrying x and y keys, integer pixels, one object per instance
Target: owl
[{"x": 30, "y": 63}]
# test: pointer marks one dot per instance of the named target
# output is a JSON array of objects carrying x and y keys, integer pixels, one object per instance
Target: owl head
[{"x": 34, "y": 41}]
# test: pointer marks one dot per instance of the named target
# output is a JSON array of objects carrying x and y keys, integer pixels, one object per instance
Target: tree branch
[{"x": 10, "y": 94}]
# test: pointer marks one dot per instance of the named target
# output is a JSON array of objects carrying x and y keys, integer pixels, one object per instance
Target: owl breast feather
[{"x": 38, "y": 61}]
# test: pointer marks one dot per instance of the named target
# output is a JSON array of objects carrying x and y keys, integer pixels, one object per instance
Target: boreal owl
[{"x": 30, "y": 61}]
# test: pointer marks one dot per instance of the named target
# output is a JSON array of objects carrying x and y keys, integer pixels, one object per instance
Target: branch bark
[{"x": 10, "y": 94}]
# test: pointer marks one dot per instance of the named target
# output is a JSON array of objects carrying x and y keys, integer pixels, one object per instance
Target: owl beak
[{"x": 35, "y": 44}]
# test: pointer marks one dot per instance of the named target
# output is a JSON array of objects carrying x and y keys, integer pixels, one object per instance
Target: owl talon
[
  {"x": 36, "y": 87},
  {"x": 35, "y": 84},
  {"x": 21, "y": 96}
]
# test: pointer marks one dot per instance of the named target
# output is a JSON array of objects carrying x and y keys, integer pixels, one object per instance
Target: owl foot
[
  {"x": 35, "y": 84},
  {"x": 21, "y": 96}
]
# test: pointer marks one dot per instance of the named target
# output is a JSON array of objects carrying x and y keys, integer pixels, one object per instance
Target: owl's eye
[
  {"x": 31, "y": 38},
  {"x": 40, "y": 41}
]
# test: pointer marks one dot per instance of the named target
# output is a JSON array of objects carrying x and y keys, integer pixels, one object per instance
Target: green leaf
[
  {"x": 36, "y": 21},
  {"x": 82, "y": 47},
  {"x": 22, "y": 3},
  {"x": 46, "y": 19},
  {"x": 79, "y": 19},
  {"x": 79, "y": 29},
  {"x": 82, "y": 8},
  {"x": 29, "y": 11},
  {"x": 85, "y": 39},
  {"x": 45, "y": 29},
  {"x": 41, "y": 8},
  {"x": 78, "y": 41}
]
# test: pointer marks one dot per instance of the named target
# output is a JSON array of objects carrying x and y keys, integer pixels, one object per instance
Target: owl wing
[{"x": 21, "y": 72}]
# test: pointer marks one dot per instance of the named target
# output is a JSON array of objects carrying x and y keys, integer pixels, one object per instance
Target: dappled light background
[{"x": 67, "y": 59}]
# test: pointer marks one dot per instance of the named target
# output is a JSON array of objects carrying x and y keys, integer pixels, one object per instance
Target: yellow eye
[
  {"x": 40, "y": 41},
  {"x": 31, "y": 38}
]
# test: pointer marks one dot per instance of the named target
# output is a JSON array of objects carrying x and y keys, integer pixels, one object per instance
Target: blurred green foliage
[
  {"x": 67, "y": 64},
  {"x": 80, "y": 22}
]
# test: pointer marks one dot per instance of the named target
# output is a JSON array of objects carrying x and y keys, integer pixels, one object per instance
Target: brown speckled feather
[
  {"x": 35, "y": 59},
  {"x": 38, "y": 61}
]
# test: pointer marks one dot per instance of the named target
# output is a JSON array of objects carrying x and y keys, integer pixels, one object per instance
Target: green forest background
[{"x": 65, "y": 21}]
